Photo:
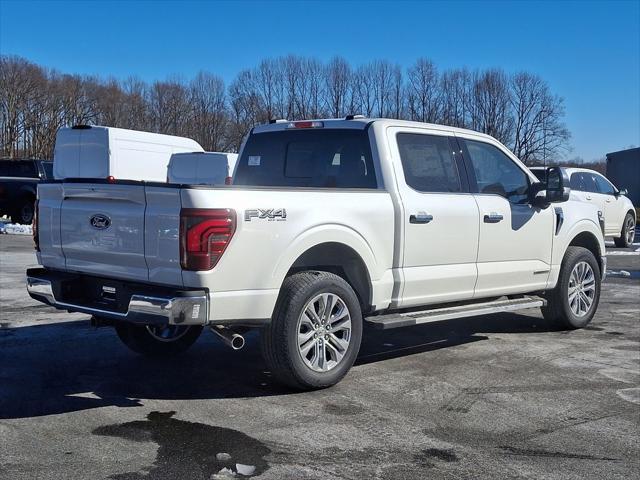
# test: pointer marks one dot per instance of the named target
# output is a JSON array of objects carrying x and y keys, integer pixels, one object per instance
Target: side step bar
[{"x": 396, "y": 320}]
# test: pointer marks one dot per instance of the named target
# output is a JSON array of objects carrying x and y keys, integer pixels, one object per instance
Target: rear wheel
[
  {"x": 314, "y": 336},
  {"x": 628, "y": 232},
  {"x": 158, "y": 340},
  {"x": 574, "y": 300}
]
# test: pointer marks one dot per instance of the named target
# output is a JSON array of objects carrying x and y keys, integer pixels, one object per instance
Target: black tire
[
  {"x": 23, "y": 215},
  {"x": 627, "y": 233},
  {"x": 140, "y": 339},
  {"x": 279, "y": 340},
  {"x": 558, "y": 309}
]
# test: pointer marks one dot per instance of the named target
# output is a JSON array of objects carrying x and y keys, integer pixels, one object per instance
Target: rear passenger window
[
  {"x": 583, "y": 182},
  {"x": 428, "y": 163}
]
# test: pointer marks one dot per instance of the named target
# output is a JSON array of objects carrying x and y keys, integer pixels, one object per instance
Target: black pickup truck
[{"x": 18, "y": 185}]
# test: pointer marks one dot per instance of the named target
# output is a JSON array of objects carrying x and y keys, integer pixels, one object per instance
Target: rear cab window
[{"x": 321, "y": 158}]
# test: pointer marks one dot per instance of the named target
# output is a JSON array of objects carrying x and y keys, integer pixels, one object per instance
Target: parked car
[
  {"x": 329, "y": 223},
  {"x": 18, "y": 184},
  {"x": 593, "y": 187}
]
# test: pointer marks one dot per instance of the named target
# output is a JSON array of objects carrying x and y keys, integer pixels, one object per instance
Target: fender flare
[{"x": 326, "y": 233}]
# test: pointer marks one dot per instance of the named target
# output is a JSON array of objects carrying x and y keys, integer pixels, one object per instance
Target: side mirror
[
  {"x": 624, "y": 191},
  {"x": 557, "y": 185}
]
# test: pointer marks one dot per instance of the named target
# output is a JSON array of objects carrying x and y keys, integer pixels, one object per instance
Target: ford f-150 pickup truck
[{"x": 328, "y": 224}]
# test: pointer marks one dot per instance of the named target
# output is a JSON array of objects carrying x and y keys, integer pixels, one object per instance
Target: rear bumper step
[
  {"x": 177, "y": 307},
  {"x": 396, "y": 320}
]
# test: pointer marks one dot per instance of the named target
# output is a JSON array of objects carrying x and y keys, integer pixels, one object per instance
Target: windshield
[{"x": 328, "y": 158}]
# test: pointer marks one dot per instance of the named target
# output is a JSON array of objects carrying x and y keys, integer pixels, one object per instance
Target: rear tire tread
[{"x": 274, "y": 341}]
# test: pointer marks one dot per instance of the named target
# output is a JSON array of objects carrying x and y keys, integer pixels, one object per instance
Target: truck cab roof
[{"x": 361, "y": 123}]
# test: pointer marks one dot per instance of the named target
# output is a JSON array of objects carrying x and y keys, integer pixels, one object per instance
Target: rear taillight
[
  {"x": 34, "y": 226},
  {"x": 204, "y": 236}
]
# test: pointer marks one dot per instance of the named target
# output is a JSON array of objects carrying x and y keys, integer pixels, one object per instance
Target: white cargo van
[
  {"x": 201, "y": 168},
  {"x": 101, "y": 152}
]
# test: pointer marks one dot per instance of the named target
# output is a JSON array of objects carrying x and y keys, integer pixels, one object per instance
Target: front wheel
[
  {"x": 158, "y": 340},
  {"x": 574, "y": 300},
  {"x": 628, "y": 232},
  {"x": 314, "y": 336}
]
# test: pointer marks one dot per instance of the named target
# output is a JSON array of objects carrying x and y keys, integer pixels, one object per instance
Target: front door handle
[
  {"x": 493, "y": 218},
  {"x": 588, "y": 197},
  {"x": 420, "y": 218}
]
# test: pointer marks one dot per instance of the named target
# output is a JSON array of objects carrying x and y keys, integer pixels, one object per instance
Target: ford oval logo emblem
[{"x": 100, "y": 221}]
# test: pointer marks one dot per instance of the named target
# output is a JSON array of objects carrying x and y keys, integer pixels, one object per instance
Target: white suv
[{"x": 593, "y": 187}]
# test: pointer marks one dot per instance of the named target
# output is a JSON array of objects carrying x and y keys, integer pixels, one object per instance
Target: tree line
[{"x": 518, "y": 109}]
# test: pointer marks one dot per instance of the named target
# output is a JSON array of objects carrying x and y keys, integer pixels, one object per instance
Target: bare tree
[
  {"x": 424, "y": 96},
  {"x": 539, "y": 133},
  {"x": 455, "y": 88},
  {"x": 337, "y": 78},
  {"x": 169, "y": 107},
  {"x": 491, "y": 113},
  {"x": 209, "y": 114},
  {"x": 519, "y": 109}
]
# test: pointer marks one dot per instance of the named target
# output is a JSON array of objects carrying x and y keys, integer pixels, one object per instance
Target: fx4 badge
[{"x": 270, "y": 214}]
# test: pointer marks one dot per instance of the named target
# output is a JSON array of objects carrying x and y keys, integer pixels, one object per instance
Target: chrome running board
[{"x": 406, "y": 319}]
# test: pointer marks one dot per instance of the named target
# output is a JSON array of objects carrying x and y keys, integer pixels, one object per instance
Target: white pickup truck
[{"x": 329, "y": 223}]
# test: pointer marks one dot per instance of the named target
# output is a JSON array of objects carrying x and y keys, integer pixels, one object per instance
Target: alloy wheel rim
[
  {"x": 166, "y": 333},
  {"x": 324, "y": 332},
  {"x": 631, "y": 230},
  {"x": 582, "y": 289}
]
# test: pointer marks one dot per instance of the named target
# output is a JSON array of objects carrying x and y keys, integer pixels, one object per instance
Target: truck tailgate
[{"x": 102, "y": 230}]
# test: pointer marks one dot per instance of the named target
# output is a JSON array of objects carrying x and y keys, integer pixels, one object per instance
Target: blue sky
[{"x": 589, "y": 52}]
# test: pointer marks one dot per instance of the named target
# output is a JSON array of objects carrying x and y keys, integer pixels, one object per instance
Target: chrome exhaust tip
[{"x": 228, "y": 336}]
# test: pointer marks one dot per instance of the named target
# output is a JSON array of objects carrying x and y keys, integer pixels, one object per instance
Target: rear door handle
[
  {"x": 420, "y": 218},
  {"x": 588, "y": 197},
  {"x": 493, "y": 218}
]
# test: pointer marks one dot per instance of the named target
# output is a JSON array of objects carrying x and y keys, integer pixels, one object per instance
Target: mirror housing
[
  {"x": 624, "y": 191},
  {"x": 557, "y": 185},
  {"x": 554, "y": 190}
]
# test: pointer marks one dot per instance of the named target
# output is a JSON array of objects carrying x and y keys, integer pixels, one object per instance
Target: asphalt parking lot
[{"x": 503, "y": 396}]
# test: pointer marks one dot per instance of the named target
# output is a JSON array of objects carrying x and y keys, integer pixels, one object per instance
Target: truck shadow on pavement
[{"x": 67, "y": 367}]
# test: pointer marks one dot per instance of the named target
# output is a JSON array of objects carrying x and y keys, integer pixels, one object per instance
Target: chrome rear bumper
[{"x": 183, "y": 308}]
